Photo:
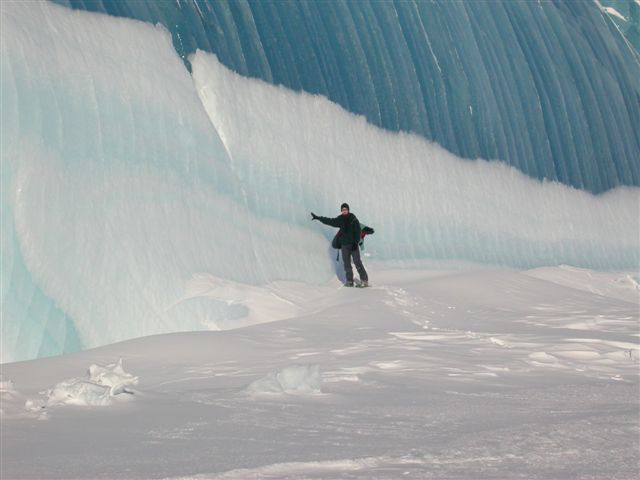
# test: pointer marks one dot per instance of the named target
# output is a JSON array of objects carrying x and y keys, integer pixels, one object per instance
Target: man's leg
[
  {"x": 346, "y": 258},
  {"x": 359, "y": 266}
]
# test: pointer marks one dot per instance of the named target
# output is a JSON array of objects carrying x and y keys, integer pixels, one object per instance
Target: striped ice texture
[
  {"x": 550, "y": 87},
  {"x": 124, "y": 174}
]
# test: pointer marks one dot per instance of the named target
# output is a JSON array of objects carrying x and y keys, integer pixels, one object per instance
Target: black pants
[{"x": 347, "y": 254}]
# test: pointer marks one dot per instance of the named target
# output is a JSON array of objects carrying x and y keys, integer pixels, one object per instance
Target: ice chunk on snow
[
  {"x": 6, "y": 390},
  {"x": 291, "y": 379},
  {"x": 78, "y": 391},
  {"x": 98, "y": 389},
  {"x": 6, "y": 386},
  {"x": 112, "y": 376}
]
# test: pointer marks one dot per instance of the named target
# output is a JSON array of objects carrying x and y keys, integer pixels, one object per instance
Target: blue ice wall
[
  {"x": 139, "y": 197},
  {"x": 550, "y": 87},
  {"x": 626, "y": 15}
]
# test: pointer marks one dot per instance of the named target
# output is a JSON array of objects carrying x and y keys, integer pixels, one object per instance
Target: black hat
[{"x": 345, "y": 205}]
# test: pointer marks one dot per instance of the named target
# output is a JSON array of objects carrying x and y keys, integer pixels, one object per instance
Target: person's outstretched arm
[{"x": 332, "y": 222}]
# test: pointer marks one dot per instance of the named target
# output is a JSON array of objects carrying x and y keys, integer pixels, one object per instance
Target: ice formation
[
  {"x": 97, "y": 388},
  {"x": 552, "y": 88},
  {"x": 124, "y": 176}
]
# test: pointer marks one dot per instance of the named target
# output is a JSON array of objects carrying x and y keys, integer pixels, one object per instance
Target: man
[{"x": 349, "y": 237}]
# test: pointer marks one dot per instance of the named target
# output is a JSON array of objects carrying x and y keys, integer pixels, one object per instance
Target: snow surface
[
  {"x": 126, "y": 181},
  {"x": 457, "y": 373}
]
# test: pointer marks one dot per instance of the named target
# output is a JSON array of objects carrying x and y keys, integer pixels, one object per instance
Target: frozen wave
[
  {"x": 294, "y": 149},
  {"x": 118, "y": 187},
  {"x": 552, "y": 88}
]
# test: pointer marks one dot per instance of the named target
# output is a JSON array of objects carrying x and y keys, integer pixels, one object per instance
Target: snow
[
  {"x": 291, "y": 379},
  {"x": 439, "y": 373},
  {"x": 609, "y": 284}
]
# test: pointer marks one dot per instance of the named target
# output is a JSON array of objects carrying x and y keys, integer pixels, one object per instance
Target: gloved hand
[
  {"x": 354, "y": 247},
  {"x": 313, "y": 216}
]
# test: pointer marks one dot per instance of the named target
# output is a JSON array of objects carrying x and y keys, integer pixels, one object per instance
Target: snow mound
[
  {"x": 6, "y": 386},
  {"x": 291, "y": 379},
  {"x": 97, "y": 389},
  {"x": 6, "y": 392},
  {"x": 13, "y": 404},
  {"x": 623, "y": 285}
]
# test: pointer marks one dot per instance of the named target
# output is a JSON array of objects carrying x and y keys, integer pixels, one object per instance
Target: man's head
[{"x": 344, "y": 208}]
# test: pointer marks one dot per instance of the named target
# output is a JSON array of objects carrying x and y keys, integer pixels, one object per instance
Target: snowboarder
[{"x": 349, "y": 237}]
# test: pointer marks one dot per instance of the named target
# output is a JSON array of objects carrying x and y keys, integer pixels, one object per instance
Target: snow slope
[{"x": 429, "y": 374}]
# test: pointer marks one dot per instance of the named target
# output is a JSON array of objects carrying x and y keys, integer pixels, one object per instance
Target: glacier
[{"x": 126, "y": 175}]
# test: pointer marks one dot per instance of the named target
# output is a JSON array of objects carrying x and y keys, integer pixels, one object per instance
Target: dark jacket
[{"x": 349, "y": 227}]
